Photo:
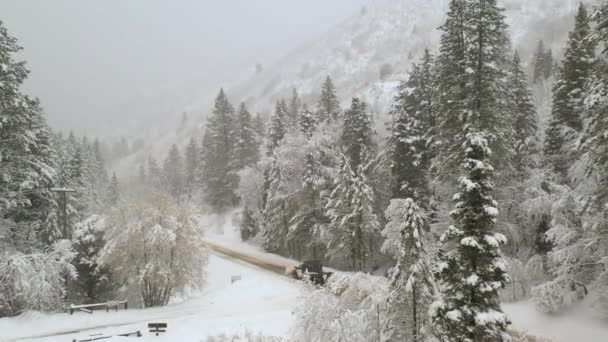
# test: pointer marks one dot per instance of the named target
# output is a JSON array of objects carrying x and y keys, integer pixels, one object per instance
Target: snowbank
[{"x": 259, "y": 302}]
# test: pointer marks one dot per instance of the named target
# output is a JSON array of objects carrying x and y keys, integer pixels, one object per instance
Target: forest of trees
[
  {"x": 65, "y": 222},
  {"x": 466, "y": 194}
]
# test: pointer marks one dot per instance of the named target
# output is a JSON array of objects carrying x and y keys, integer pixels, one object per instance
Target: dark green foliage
[
  {"x": 294, "y": 108},
  {"x": 475, "y": 271},
  {"x": 412, "y": 132},
  {"x": 278, "y": 127},
  {"x": 542, "y": 62},
  {"x": 307, "y": 121},
  {"x": 191, "y": 165},
  {"x": 113, "y": 194},
  {"x": 218, "y": 168},
  {"x": 328, "y": 108},
  {"x": 353, "y": 223},
  {"x": 523, "y": 113},
  {"x": 93, "y": 284},
  {"x": 249, "y": 227},
  {"x": 246, "y": 146},
  {"x": 574, "y": 72},
  {"x": 276, "y": 211},
  {"x": 472, "y": 79},
  {"x": 542, "y": 245},
  {"x": 173, "y": 173},
  {"x": 358, "y": 132}
]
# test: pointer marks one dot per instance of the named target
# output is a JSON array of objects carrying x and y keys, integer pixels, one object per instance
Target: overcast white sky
[{"x": 92, "y": 60}]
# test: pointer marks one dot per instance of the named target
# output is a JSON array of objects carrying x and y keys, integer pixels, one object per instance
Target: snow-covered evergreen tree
[
  {"x": 276, "y": 210},
  {"x": 307, "y": 121},
  {"x": 173, "y": 173},
  {"x": 249, "y": 227},
  {"x": 26, "y": 157},
  {"x": 471, "y": 80},
  {"x": 411, "y": 139},
  {"x": 542, "y": 63},
  {"x": 328, "y": 107},
  {"x": 246, "y": 147},
  {"x": 475, "y": 270},
  {"x": 218, "y": 167},
  {"x": 93, "y": 283},
  {"x": 353, "y": 224},
  {"x": 567, "y": 119},
  {"x": 596, "y": 104},
  {"x": 294, "y": 108},
  {"x": 155, "y": 174},
  {"x": 277, "y": 128},
  {"x": 412, "y": 285},
  {"x": 523, "y": 113},
  {"x": 191, "y": 165},
  {"x": 358, "y": 133},
  {"x": 113, "y": 195}
]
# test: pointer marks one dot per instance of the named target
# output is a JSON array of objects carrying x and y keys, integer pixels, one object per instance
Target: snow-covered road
[{"x": 260, "y": 302}]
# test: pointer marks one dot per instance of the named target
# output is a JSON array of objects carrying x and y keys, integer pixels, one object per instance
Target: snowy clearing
[
  {"x": 578, "y": 324},
  {"x": 259, "y": 302}
]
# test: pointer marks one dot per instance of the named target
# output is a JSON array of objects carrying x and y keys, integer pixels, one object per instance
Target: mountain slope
[{"x": 390, "y": 33}]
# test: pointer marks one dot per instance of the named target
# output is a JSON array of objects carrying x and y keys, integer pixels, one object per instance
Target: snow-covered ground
[
  {"x": 580, "y": 324},
  {"x": 260, "y": 302}
]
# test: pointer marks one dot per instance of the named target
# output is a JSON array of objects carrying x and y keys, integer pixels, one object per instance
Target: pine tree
[
  {"x": 548, "y": 64},
  {"x": 100, "y": 172},
  {"x": 524, "y": 113},
  {"x": 260, "y": 127},
  {"x": 307, "y": 121},
  {"x": 26, "y": 158},
  {"x": 218, "y": 167},
  {"x": 475, "y": 271},
  {"x": 539, "y": 62},
  {"x": 155, "y": 175},
  {"x": 412, "y": 283},
  {"x": 471, "y": 74},
  {"x": 246, "y": 148},
  {"x": 278, "y": 127},
  {"x": 113, "y": 194},
  {"x": 93, "y": 283},
  {"x": 567, "y": 121},
  {"x": 275, "y": 210},
  {"x": 597, "y": 111},
  {"x": 249, "y": 227},
  {"x": 295, "y": 105},
  {"x": 353, "y": 223},
  {"x": 358, "y": 132},
  {"x": 173, "y": 173},
  {"x": 328, "y": 108},
  {"x": 309, "y": 220},
  {"x": 191, "y": 165},
  {"x": 411, "y": 139}
]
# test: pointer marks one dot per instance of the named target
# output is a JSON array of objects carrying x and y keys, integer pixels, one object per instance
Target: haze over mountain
[
  {"x": 391, "y": 33},
  {"x": 110, "y": 67}
]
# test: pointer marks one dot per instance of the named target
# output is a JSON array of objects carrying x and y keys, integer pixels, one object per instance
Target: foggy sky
[{"x": 97, "y": 63}]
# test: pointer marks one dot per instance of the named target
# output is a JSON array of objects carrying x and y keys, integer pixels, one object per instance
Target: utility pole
[{"x": 64, "y": 205}]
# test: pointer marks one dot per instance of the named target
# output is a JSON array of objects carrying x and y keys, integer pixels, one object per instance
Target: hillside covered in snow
[{"x": 366, "y": 56}]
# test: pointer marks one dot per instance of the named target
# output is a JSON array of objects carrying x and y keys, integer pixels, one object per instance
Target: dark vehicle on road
[{"x": 311, "y": 270}]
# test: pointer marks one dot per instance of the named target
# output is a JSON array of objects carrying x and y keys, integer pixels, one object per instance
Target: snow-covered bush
[
  {"x": 157, "y": 247},
  {"x": 518, "y": 285},
  {"x": 35, "y": 281},
  {"x": 349, "y": 309},
  {"x": 549, "y": 296}
]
